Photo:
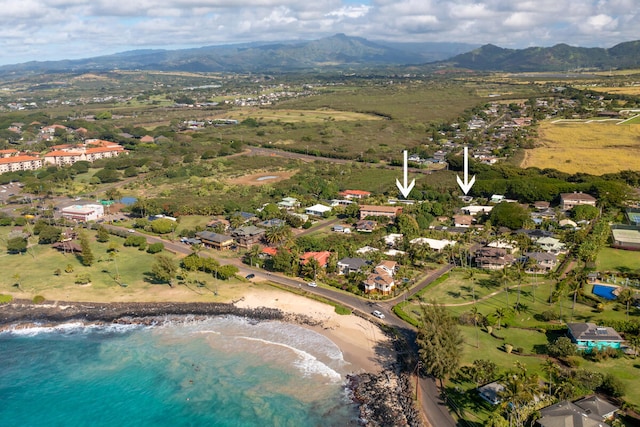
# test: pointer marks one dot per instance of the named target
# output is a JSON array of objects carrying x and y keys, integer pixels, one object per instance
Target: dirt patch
[{"x": 262, "y": 178}]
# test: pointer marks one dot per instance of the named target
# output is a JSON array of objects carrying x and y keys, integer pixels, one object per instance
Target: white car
[
  {"x": 378, "y": 314},
  {"x": 312, "y": 284}
]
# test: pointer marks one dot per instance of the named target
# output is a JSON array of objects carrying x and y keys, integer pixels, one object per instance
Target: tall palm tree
[
  {"x": 476, "y": 316},
  {"x": 518, "y": 274},
  {"x": 500, "y": 313},
  {"x": 626, "y": 297},
  {"x": 551, "y": 367},
  {"x": 520, "y": 388}
]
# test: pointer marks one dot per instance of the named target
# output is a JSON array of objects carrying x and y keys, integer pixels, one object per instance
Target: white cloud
[{"x": 57, "y": 29}]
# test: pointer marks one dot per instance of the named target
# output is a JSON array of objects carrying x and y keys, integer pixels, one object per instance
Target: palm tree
[
  {"x": 576, "y": 284},
  {"x": 476, "y": 316},
  {"x": 520, "y": 389},
  {"x": 626, "y": 297},
  {"x": 500, "y": 313},
  {"x": 552, "y": 369},
  {"x": 518, "y": 273},
  {"x": 277, "y": 234}
]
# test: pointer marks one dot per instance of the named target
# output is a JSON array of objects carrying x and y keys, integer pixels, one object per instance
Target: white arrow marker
[
  {"x": 466, "y": 185},
  {"x": 406, "y": 188}
]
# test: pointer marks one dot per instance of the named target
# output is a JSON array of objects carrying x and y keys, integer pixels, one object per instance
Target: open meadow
[{"x": 598, "y": 147}]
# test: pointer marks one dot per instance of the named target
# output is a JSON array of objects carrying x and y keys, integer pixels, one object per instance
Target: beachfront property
[
  {"x": 248, "y": 236},
  {"x": 83, "y": 213},
  {"x": 381, "y": 279},
  {"x": 376, "y": 211},
  {"x": 317, "y": 210},
  {"x": 214, "y": 240},
  {"x": 588, "y": 336},
  {"x": 569, "y": 200},
  {"x": 321, "y": 257}
]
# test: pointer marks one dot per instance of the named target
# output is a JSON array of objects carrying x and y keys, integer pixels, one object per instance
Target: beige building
[
  {"x": 569, "y": 200},
  {"x": 19, "y": 163}
]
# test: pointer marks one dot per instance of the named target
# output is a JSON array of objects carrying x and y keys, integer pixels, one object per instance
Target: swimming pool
[{"x": 605, "y": 291}]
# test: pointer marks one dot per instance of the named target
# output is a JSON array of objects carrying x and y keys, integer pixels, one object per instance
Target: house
[
  {"x": 497, "y": 198},
  {"x": 341, "y": 229},
  {"x": 354, "y": 194},
  {"x": 375, "y": 211},
  {"x": 436, "y": 245},
  {"x": 351, "y": 265},
  {"x": 214, "y": 240},
  {"x": 392, "y": 239},
  {"x": 509, "y": 246},
  {"x": 83, "y": 213},
  {"x": 147, "y": 139},
  {"x": 492, "y": 258},
  {"x": 381, "y": 279},
  {"x": 248, "y": 236},
  {"x": 595, "y": 405},
  {"x": 541, "y": 205},
  {"x": 317, "y": 210},
  {"x": 475, "y": 210},
  {"x": 551, "y": 245},
  {"x": 366, "y": 250},
  {"x": 219, "y": 223},
  {"x": 366, "y": 226},
  {"x": 246, "y": 217},
  {"x": 567, "y": 414},
  {"x": 269, "y": 251},
  {"x": 588, "y": 336},
  {"x": 8, "y": 153},
  {"x": 543, "y": 261},
  {"x": 567, "y": 223},
  {"x": 270, "y": 223},
  {"x": 462, "y": 220},
  {"x": 322, "y": 257},
  {"x": 288, "y": 203},
  {"x": 491, "y": 392},
  {"x": 569, "y": 200},
  {"x": 67, "y": 246}
]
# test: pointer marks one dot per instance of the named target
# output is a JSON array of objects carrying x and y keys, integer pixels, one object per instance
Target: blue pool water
[
  {"x": 604, "y": 291},
  {"x": 217, "y": 372}
]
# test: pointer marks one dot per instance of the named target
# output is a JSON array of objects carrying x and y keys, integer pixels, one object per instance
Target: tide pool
[{"x": 223, "y": 371}]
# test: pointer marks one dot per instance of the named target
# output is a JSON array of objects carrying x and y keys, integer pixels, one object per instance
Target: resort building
[
  {"x": 83, "y": 213},
  {"x": 90, "y": 151},
  {"x": 19, "y": 163}
]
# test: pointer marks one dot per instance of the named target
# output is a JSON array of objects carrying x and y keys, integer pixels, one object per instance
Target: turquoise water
[{"x": 217, "y": 372}]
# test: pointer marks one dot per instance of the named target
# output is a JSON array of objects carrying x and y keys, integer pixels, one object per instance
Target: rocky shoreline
[{"x": 384, "y": 398}]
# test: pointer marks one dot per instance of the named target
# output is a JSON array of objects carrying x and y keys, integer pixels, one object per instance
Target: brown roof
[{"x": 389, "y": 209}]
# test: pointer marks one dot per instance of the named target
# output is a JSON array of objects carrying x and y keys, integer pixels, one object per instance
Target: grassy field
[
  {"x": 297, "y": 116},
  {"x": 610, "y": 259},
  {"x": 35, "y": 273},
  {"x": 617, "y": 90},
  {"x": 596, "y": 148}
]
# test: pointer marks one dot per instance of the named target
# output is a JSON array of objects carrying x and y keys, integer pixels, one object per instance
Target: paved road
[{"x": 433, "y": 406}]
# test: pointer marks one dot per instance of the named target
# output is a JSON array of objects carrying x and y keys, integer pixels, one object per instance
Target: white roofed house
[
  {"x": 317, "y": 210},
  {"x": 436, "y": 245},
  {"x": 90, "y": 212}
]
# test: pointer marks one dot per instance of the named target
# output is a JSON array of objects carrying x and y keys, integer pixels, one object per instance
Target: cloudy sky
[{"x": 69, "y": 29}]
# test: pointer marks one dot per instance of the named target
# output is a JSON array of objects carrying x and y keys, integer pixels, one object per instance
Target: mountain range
[{"x": 343, "y": 52}]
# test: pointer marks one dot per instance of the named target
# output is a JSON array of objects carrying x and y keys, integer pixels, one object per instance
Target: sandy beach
[{"x": 363, "y": 344}]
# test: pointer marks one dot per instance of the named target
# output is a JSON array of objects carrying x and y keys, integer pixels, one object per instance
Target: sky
[{"x": 71, "y": 29}]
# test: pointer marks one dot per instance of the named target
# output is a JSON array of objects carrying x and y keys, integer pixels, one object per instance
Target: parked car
[
  {"x": 378, "y": 314},
  {"x": 312, "y": 284},
  {"x": 250, "y": 276}
]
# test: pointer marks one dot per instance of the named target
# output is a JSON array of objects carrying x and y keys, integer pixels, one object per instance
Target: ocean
[{"x": 222, "y": 371}]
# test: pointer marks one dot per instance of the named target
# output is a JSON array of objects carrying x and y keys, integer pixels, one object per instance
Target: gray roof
[
  {"x": 248, "y": 231},
  {"x": 541, "y": 256},
  {"x": 592, "y": 332},
  {"x": 566, "y": 414},
  {"x": 353, "y": 263},
  {"x": 491, "y": 392},
  {"x": 596, "y": 406},
  {"x": 213, "y": 237}
]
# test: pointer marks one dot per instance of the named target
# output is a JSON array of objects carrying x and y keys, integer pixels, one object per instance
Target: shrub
[
  {"x": 549, "y": 315},
  {"x": 612, "y": 386},
  {"x": 508, "y": 348},
  {"x": 154, "y": 248},
  {"x": 83, "y": 279},
  {"x": 38, "y": 299},
  {"x": 5, "y": 299},
  {"x": 562, "y": 347},
  {"x": 342, "y": 310},
  {"x": 135, "y": 241}
]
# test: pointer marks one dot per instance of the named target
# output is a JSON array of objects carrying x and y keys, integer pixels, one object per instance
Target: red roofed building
[
  {"x": 19, "y": 163},
  {"x": 63, "y": 158},
  {"x": 322, "y": 257},
  {"x": 270, "y": 251},
  {"x": 354, "y": 194},
  {"x": 8, "y": 153},
  {"x": 92, "y": 150}
]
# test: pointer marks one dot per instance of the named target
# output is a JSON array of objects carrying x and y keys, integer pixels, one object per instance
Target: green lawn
[{"x": 610, "y": 259}]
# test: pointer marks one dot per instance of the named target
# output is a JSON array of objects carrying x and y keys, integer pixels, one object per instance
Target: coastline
[{"x": 381, "y": 391}]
